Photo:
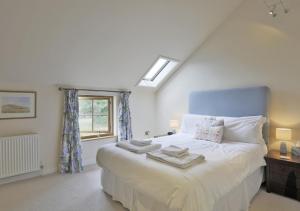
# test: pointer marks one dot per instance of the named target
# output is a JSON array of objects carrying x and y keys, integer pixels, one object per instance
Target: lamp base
[{"x": 283, "y": 148}]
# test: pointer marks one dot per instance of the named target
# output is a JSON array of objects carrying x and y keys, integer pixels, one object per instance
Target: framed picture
[{"x": 17, "y": 104}]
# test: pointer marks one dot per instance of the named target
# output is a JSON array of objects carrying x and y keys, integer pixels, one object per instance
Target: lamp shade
[
  {"x": 174, "y": 124},
  {"x": 283, "y": 134}
]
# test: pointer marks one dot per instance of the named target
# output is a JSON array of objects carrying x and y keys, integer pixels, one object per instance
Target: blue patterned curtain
[
  {"x": 70, "y": 158},
  {"x": 124, "y": 131}
]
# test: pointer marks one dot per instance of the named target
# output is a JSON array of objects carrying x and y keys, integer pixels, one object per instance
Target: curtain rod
[{"x": 94, "y": 90}]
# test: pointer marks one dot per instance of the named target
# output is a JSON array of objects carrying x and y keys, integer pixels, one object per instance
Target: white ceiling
[{"x": 100, "y": 43}]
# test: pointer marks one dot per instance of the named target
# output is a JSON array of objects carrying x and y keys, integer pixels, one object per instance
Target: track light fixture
[
  {"x": 273, "y": 11},
  {"x": 275, "y": 7}
]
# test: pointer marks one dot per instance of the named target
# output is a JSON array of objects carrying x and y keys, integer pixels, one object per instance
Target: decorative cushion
[
  {"x": 214, "y": 134},
  {"x": 217, "y": 122},
  {"x": 212, "y": 131},
  {"x": 189, "y": 122}
]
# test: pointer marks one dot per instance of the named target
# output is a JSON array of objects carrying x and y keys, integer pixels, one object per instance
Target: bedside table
[{"x": 283, "y": 174}]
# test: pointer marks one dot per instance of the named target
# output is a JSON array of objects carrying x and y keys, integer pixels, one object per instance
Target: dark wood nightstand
[{"x": 283, "y": 174}]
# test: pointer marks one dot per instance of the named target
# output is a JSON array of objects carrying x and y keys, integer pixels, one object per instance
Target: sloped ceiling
[{"x": 100, "y": 43}]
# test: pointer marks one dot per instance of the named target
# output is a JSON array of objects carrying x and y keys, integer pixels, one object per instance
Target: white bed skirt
[{"x": 238, "y": 199}]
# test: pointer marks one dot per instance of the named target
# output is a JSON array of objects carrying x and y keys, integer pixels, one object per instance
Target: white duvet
[{"x": 194, "y": 189}]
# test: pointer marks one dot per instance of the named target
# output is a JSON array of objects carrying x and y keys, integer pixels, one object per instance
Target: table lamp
[
  {"x": 174, "y": 124},
  {"x": 283, "y": 135}
]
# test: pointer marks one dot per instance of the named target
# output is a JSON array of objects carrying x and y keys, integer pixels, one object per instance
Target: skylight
[{"x": 158, "y": 72}]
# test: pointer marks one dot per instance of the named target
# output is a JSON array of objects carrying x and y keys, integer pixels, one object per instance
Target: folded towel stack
[
  {"x": 138, "y": 149},
  {"x": 141, "y": 142},
  {"x": 296, "y": 151},
  {"x": 184, "y": 162},
  {"x": 175, "y": 151},
  {"x": 176, "y": 156}
]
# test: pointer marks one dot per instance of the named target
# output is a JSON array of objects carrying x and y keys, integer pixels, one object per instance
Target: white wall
[
  {"x": 250, "y": 48},
  {"x": 108, "y": 43},
  {"x": 49, "y": 122},
  {"x": 142, "y": 112}
]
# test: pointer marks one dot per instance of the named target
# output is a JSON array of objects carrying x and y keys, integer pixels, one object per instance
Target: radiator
[{"x": 19, "y": 155}]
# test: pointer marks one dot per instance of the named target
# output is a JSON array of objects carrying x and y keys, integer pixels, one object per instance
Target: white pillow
[
  {"x": 189, "y": 122},
  {"x": 210, "y": 133},
  {"x": 244, "y": 129}
]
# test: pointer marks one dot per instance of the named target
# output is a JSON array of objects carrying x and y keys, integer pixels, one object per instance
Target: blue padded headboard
[{"x": 238, "y": 102}]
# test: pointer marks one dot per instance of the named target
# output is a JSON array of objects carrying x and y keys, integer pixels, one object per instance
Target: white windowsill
[{"x": 104, "y": 138}]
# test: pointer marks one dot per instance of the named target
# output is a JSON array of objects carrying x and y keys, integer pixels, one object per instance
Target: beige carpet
[{"x": 83, "y": 192}]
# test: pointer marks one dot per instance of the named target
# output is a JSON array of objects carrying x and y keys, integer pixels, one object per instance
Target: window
[
  {"x": 158, "y": 72},
  {"x": 95, "y": 116}
]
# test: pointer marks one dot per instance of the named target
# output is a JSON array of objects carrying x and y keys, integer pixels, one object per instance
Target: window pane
[
  {"x": 101, "y": 107},
  {"x": 101, "y": 123},
  {"x": 162, "y": 68},
  {"x": 155, "y": 68},
  {"x": 85, "y": 123},
  {"x": 85, "y": 107},
  {"x": 94, "y": 116}
]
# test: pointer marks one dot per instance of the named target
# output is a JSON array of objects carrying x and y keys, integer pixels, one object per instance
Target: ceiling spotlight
[{"x": 273, "y": 13}]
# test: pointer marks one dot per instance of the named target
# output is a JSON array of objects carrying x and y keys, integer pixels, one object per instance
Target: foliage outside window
[{"x": 95, "y": 116}]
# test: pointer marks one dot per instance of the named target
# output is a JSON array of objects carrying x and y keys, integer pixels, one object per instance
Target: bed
[{"x": 227, "y": 181}]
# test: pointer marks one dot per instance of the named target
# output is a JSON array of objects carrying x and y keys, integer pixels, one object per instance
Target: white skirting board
[{"x": 20, "y": 177}]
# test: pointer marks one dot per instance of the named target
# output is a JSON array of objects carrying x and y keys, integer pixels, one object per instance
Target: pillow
[
  {"x": 189, "y": 122},
  {"x": 217, "y": 122},
  {"x": 244, "y": 129},
  {"x": 209, "y": 133}
]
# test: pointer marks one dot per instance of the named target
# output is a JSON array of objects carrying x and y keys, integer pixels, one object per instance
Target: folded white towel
[
  {"x": 175, "y": 151},
  {"x": 176, "y": 155},
  {"x": 141, "y": 142},
  {"x": 138, "y": 149},
  {"x": 184, "y": 162}
]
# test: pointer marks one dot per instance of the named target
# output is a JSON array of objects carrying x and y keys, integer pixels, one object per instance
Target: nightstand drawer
[
  {"x": 285, "y": 180},
  {"x": 281, "y": 169},
  {"x": 284, "y": 169}
]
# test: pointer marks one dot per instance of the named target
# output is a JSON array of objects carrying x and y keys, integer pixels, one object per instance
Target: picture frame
[{"x": 17, "y": 104}]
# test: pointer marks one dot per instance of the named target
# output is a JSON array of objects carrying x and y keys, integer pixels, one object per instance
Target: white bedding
[
  {"x": 193, "y": 189},
  {"x": 238, "y": 199}
]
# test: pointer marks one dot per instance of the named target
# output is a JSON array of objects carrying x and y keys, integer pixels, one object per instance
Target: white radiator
[{"x": 19, "y": 155}]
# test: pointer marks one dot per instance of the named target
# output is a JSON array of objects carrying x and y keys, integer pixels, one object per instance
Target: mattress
[{"x": 149, "y": 182}]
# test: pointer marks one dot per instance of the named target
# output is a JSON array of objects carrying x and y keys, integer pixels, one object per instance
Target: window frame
[
  {"x": 110, "y": 131},
  {"x": 162, "y": 73}
]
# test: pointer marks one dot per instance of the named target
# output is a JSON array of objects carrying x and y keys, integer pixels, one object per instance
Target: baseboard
[
  {"x": 26, "y": 176},
  {"x": 90, "y": 165},
  {"x": 20, "y": 177},
  {"x": 49, "y": 171},
  {"x": 86, "y": 163}
]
